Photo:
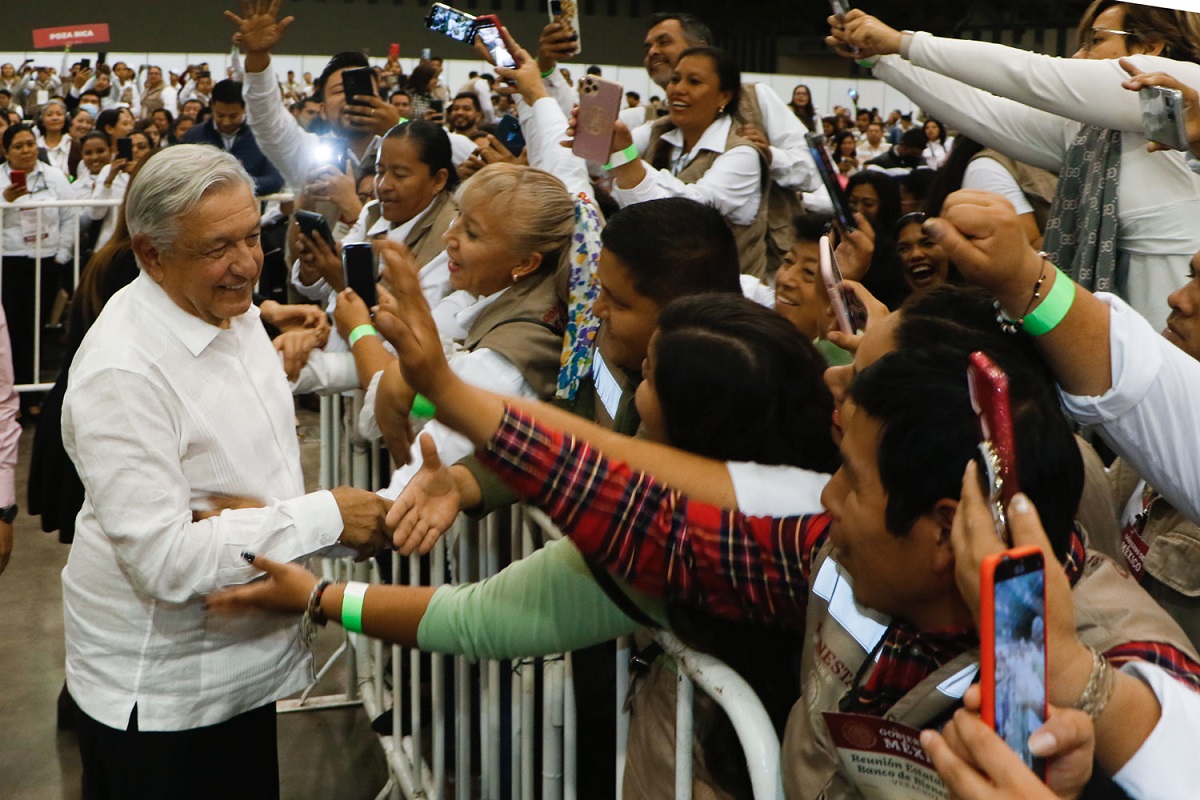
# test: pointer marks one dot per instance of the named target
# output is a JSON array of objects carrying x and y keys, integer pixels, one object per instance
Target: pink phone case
[{"x": 599, "y": 104}]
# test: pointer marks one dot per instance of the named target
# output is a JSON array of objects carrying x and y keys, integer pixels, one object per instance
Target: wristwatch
[{"x": 8, "y": 513}]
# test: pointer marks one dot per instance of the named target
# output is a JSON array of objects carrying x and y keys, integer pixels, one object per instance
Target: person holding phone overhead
[{"x": 1065, "y": 115}]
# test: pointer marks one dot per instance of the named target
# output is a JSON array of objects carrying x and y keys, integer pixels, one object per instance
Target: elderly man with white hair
[{"x": 177, "y": 399}]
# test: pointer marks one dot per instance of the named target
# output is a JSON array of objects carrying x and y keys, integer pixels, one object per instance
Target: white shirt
[
  {"x": 732, "y": 185},
  {"x": 1149, "y": 414},
  {"x": 989, "y": 175},
  {"x": 60, "y": 155},
  {"x": 544, "y": 126},
  {"x": 162, "y": 412},
  {"x": 936, "y": 153},
  {"x": 866, "y": 152},
  {"x": 109, "y": 214},
  {"x": 22, "y": 236},
  {"x": 1165, "y": 767},
  {"x": 772, "y": 490},
  {"x": 1158, "y": 197}
]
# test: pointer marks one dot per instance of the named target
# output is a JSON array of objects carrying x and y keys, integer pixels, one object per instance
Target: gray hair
[{"x": 171, "y": 183}]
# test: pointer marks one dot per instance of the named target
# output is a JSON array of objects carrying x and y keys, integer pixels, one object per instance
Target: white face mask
[{"x": 92, "y": 110}]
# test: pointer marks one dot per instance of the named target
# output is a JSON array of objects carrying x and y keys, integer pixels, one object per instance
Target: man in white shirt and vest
[{"x": 177, "y": 399}]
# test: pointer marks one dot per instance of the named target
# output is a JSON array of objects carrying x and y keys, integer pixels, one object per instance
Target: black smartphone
[
  {"x": 508, "y": 131},
  {"x": 841, "y": 203},
  {"x": 360, "y": 81},
  {"x": 458, "y": 25},
  {"x": 358, "y": 261},
  {"x": 85, "y": 63},
  {"x": 314, "y": 225},
  {"x": 437, "y": 106},
  {"x": 125, "y": 148}
]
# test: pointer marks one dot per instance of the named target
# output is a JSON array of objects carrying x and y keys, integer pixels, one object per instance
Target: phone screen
[
  {"x": 1163, "y": 116},
  {"x": 359, "y": 264},
  {"x": 458, "y": 25},
  {"x": 1019, "y": 643},
  {"x": 841, "y": 203},
  {"x": 494, "y": 42}
]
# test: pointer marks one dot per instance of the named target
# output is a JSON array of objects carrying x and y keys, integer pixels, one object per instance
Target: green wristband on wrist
[
  {"x": 622, "y": 157},
  {"x": 548, "y": 73},
  {"x": 361, "y": 331},
  {"x": 352, "y": 605},
  {"x": 1051, "y": 311},
  {"x": 422, "y": 408}
]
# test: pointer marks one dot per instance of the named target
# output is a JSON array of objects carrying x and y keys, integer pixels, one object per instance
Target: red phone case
[
  {"x": 987, "y": 628},
  {"x": 988, "y": 386},
  {"x": 599, "y": 104},
  {"x": 17, "y": 176},
  {"x": 394, "y": 50}
]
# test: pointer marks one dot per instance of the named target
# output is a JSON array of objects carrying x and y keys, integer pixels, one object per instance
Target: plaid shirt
[{"x": 750, "y": 569}]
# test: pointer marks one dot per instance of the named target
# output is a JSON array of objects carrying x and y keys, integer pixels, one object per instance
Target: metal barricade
[{"x": 372, "y": 666}]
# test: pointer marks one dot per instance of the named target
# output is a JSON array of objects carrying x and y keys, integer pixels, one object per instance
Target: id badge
[
  {"x": 29, "y": 227},
  {"x": 43, "y": 97},
  {"x": 884, "y": 759}
]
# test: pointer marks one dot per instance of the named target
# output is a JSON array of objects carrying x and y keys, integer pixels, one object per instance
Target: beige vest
[
  {"x": 1036, "y": 183},
  {"x": 1110, "y": 608},
  {"x": 783, "y": 204},
  {"x": 526, "y": 325},
  {"x": 424, "y": 241},
  {"x": 152, "y": 101},
  {"x": 751, "y": 239}
]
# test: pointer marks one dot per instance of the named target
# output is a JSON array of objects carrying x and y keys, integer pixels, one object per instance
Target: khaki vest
[
  {"x": 783, "y": 204},
  {"x": 152, "y": 101},
  {"x": 1036, "y": 183},
  {"x": 1110, "y": 609},
  {"x": 751, "y": 239},
  {"x": 424, "y": 241},
  {"x": 1172, "y": 563},
  {"x": 526, "y": 325}
]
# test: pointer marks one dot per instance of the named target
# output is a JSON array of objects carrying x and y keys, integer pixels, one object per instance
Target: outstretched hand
[
  {"x": 1191, "y": 100},
  {"x": 259, "y": 29},
  {"x": 859, "y": 35},
  {"x": 286, "y": 589},
  {"x": 428, "y": 505},
  {"x": 404, "y": 319}
]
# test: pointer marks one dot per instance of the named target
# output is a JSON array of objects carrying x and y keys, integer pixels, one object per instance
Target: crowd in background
[{"x": 543, "y": 327}]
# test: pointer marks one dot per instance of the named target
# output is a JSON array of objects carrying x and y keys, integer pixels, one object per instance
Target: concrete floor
[{"x": 330, "y": 754}]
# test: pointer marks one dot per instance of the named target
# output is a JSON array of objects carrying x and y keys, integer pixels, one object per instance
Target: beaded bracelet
[
  {"x": 1099, "y": 688},
  {"x": 314, "y": 602},
  {"x": 352, "y": 605}
]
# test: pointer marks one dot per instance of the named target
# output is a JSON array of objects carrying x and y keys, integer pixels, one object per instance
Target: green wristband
[
  {"x": 1054, "y": 308},
  {"x": 622, "y": 157},
  {"x": 422, "y": 408},
  {"x": 548, "y": 73},
  {"x": 361, "y": 331},
  {"x": 352, "y": 604}
]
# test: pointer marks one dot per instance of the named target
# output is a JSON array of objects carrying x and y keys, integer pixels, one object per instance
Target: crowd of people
[{"x": 644, "y": 348}]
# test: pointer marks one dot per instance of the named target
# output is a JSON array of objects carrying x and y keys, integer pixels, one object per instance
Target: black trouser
[
  {"x": 237, "y": 758},
  {"x": 17, "y": 285}
]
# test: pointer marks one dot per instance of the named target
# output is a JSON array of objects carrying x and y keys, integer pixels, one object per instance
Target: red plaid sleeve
[
  {"x": 1174, "y": 661},
  {"x": 730, "y": 565}
]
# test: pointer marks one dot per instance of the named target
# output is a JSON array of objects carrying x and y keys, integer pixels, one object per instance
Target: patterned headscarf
[{"x": 582, "y": 290}]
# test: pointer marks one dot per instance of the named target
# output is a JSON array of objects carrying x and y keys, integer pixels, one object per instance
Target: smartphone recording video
[
  {"x": 489, "y": 34},
  {"x": 1013, "y": 648},
  {"x": 849, "y": 314},
  {"x": 828, "y": 173},
  {"x": 359, "y": 263},
  {"x": 458, "y": 25}
]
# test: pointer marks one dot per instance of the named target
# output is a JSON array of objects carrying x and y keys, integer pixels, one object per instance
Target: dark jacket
[{"x": 267, "y": 179}]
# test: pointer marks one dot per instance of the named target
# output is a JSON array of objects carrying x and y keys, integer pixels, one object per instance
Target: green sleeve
[
  {"x": 547, "y": 603},
  {"x": 494, "y": 493}
]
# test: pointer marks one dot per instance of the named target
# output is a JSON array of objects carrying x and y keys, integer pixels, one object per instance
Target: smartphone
[
  {"x": 458, "y": 25},
  {"x": 988, "y": 387},
  {"x": 313, "y": 225},
  {"x": 599, "y": 104},
  {"x": 125, "y": 148},
  {"x": 840, "y": 9},
  {"x": 17, "y": 178},
  {"x": 1163, "y": 117},
  {"x": 508, "y": 131},
  {"x": 359, "y": 264},
  {"x": 358, "y": 81},
  {"x": 436, "y": 105},
  {"x": 394, "y": 50},
  {"x": 488, "y": 31},
  {"x": 853, "y": 94},
  {"x": 566, "y": 12},
  {"x": 829, "y": 173},
  {"x": 1012, "y": 637},
  {"x": 426, "y": 54},
  {"x": 849, "y": 314},
  {"x": 85, "y": 63}
]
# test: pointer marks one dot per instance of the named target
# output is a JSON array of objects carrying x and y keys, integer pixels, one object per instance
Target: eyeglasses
[{"x": 1089, "y": 40}]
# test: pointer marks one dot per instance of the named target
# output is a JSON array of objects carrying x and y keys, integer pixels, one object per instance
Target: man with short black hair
[
  {"x": 305, "y": 110},
  {"x": 401, "y": 100},
  {"x": 228, "y": 130},
  {"x": 464, "y": 114},
  {"x": 872, "y": 145},
  {"x": 904, "y": 157}
]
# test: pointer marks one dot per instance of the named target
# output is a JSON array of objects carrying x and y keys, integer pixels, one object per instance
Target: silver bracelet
[
  {"x": 1099, "y": 688},
  {"x": 313, "y": 615}
]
